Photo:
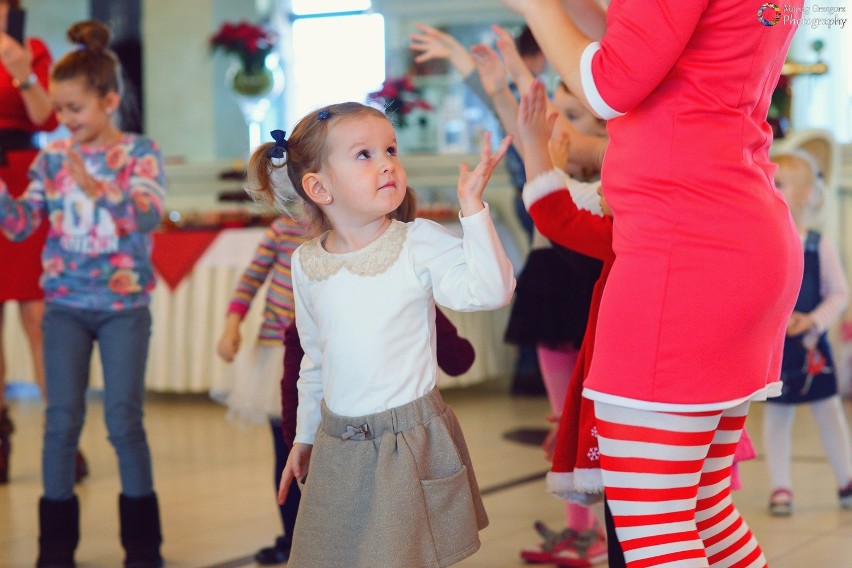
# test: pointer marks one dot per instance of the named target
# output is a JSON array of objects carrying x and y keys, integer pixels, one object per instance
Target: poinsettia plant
[
  {"x": 399, "y": 96},
  {"x": 252, "y": 43}
]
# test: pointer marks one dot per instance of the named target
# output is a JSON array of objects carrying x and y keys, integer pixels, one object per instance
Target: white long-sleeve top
[
  {"x": 832, "y": 283},
  {"x": 367, "y": 318}
]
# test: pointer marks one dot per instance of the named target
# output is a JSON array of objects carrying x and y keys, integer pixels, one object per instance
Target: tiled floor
[{"x": 215, "y": 486}]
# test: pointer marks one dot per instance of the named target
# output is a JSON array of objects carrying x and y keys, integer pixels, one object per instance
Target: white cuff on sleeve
[
  {"x": 542, "y": 186},
  {"x": 599, "y": 106}
]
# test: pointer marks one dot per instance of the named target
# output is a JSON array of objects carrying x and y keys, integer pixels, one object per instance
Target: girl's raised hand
[
  {"x": 492, "y": 74},
  {"x": 512, "y": 60},
  {"x": 560, "y": 148},
  {"x": 296, "y": 468},
  {"x": 535, "y": 124},
  {"x": 472, "y": 184},
  {"x": 431, "y": 43},
  {"x": 16, "y": 58}
]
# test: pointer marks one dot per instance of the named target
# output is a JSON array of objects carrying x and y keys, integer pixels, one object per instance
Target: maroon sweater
[{"x": 455, "y": 356}]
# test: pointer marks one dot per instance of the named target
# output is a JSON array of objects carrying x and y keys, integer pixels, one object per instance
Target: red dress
[
  {"x": 21, "y": 262},
  {"x": 708, "y": 262}
]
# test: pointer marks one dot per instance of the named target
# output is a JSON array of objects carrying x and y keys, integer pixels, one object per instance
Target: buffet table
[{"x": 188, "y": 309}]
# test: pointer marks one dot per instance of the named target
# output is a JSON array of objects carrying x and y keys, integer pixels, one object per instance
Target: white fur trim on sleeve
[
  {"x": 590, "y": 89},
  {"x": 584, "y": 194},
  {"x": 542, "y": 186}
]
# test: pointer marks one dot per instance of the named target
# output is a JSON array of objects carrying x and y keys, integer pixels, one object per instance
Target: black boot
[
  {"x": 59, "y": 532},
  {"x": 6, "y": 429},
  {"x": 140, "y": 531}
]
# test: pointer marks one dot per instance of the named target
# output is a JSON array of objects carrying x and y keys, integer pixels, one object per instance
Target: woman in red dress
[
  {"x": 25, "y": 110},
  {"x": 707, "y": 261}
]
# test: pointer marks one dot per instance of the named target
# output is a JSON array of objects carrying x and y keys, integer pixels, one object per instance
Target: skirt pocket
[{"x": 452, "y": 516}]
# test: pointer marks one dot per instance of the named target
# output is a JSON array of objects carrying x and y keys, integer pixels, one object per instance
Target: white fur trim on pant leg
[
  {"x": 560, "y": 483},
  {"x": 588, "y": 480}
]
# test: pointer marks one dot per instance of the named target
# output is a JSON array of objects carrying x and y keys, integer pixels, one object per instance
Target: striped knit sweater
[{"x": 272, "y": 255}]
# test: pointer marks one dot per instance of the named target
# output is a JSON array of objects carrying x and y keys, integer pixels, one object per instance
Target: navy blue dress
[{"x": 807, "y": 374}]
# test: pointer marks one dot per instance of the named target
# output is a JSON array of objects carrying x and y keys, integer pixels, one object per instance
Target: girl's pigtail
[{"x": 267, "y": 182}]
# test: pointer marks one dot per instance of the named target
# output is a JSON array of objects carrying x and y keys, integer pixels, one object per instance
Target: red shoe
[
  {"x": 568, "y": 548},
  {"x": 781, "y": 502}
]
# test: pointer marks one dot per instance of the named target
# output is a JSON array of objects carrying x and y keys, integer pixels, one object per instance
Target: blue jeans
[{"x": 69, "y": 336}]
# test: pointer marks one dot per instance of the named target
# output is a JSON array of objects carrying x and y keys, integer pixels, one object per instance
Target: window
[{"x": 336, "y": 56}]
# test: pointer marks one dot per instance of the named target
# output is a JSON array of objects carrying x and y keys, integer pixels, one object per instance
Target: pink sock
[
  {"x": 556, "y": 365},
  {"x": 578, "y": 517}
]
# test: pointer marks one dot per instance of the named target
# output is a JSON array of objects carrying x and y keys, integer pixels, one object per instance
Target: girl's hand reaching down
[
  {"x": 472, "y": 184},
  {"x": 296, "y": 468}
]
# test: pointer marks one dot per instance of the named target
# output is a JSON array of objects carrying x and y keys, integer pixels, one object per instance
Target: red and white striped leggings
[{"x": 668, "y": 484}]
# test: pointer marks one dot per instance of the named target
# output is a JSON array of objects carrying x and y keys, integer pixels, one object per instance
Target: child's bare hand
[
  {"x": 431, "y": 43},
  {"x": 296, "y": 468},
  {"x": 229, "y": 345},
  {"x": 492, "y": 74},
  {"x": 509, "y": 51},
  {"x": 472, "y": 184},
  {"x": 560, "y": 148},
  {"x": 16, "y": 58},
  {"x": 535, "y": 124},
  {"x": 799, "y": 323},
  {"x": 77, "y": 170}
]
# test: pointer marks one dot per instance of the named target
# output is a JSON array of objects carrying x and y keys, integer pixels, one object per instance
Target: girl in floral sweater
[{"x": 101, "y": 191}]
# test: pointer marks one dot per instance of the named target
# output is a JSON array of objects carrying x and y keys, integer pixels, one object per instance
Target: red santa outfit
[{"x": 575, "y": 473}]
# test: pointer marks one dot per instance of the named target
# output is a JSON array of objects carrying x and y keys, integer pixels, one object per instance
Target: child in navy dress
[{"x": 807, "y": 369}]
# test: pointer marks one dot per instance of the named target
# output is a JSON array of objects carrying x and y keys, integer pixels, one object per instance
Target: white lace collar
[{"x": 371, "y": 260}]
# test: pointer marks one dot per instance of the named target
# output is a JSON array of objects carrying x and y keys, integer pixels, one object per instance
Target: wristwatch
[{"x": 26, "y": 83}]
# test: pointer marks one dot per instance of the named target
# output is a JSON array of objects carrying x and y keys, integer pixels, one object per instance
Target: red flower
[
  {"x": 250, "y": 42},
  {"x": 399, "y": 96}
]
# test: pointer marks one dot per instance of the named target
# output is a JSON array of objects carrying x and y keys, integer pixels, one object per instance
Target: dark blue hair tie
[
  {"x": 277, "y": 151},
  {"x": 323, "y": 114}
]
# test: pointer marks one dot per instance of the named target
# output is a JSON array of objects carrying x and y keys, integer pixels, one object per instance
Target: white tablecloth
[{"x": 188, "y": 321}]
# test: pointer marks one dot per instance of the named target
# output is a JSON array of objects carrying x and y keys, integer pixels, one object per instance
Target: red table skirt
[{"x": 176, "y": 252}]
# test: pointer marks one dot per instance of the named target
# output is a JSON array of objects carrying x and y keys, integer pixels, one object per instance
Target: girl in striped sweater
[{"x": 253, "y": 396}]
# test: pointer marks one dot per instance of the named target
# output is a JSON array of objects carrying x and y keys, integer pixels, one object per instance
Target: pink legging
[
  {"x": 668, "y": 484},
  {"x": 556, "y": 365}
]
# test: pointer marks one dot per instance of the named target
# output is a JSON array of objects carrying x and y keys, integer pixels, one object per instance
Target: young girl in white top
[
  {"x": 807, "y": 370},
  {"x": 390, "y": 481}
]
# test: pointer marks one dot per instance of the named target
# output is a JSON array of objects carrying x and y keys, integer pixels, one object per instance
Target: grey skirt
[{"x": 391, "y": 490}]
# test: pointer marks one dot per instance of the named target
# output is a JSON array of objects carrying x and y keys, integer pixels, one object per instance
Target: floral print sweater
[{"x": 98, "y": 250}]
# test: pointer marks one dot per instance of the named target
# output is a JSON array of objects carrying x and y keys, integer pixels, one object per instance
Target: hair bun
[{"x": 92, "y": 34}]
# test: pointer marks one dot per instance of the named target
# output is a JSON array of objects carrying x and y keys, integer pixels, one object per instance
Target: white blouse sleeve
[
  {"x": 468, "y": 274},
  {"x": 833, "y": 286},
  {"x": 310, "y": 374}
]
